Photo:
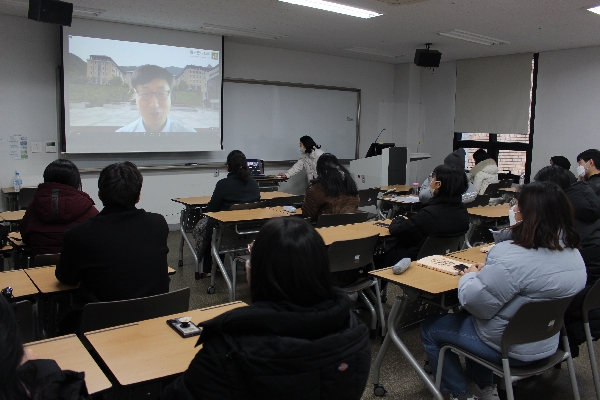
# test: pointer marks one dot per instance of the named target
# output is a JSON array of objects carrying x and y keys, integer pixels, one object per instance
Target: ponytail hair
[
  {"x": 309, "y": 144},
  {"x": 336, "y": 179},
  {"x": 236, "y": 163}
]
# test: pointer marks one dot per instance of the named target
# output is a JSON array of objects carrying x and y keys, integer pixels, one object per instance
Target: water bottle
[
  {"x": 17, "y": 182},
  {"x": 415, "y": 188},
  {"x": 522, "y": 179}
]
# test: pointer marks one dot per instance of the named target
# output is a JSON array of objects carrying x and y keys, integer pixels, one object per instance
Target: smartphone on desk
[
  {"x": 184, "y": 327},
  {"x": 382, "y": 224}
]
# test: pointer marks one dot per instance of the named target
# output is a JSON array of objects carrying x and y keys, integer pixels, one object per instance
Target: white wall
[{"x": 567, "y": 119}]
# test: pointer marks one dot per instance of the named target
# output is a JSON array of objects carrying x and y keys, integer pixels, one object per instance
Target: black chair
[
  {"x": 43, "y": 260},
  {"x": 23, "y": 311},
  {"x": 506, "y": 183},
  {"x": 480, "y": 200},
  {"x": 435, "y": 246},
  {"x": 106, "y": 314},
  {"x": 591, "y": 302},
  {"x": 357, "y": 254},
  {"x": 532, "y": 322},
  {"x": 492, "y": 189},
  {"x": 286, "y": 201},
  {"x": 326, "y": 220},
  {"x": 368, "y": 197},
  {"x": 249, "y": 206}
]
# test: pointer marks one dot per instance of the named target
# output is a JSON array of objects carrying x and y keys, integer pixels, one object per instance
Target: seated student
[
  {"x": 237, "y": 188},
  {"x": 23, "y": 376},
  {"x": 457, "y": 158},
  {"x": 444, "y": 215},
  {"x": 540, "y": 262},
  {"x": 298, "y": 339},
  {"x": 58, "y": 204},
  {"x": 333, "y": 192},
  {"x": 484, "y": 172},
  {"x": 121, "y": 253},
  {"x": 588, "y": 169},
  {"x": 564, "y": 163},
  {"x": 586, "y": 207}
]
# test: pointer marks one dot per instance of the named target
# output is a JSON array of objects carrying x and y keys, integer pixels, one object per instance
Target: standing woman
[{"x": 310, "y": 153}]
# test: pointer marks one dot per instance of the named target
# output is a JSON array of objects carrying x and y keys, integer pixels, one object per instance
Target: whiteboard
[{"x": 266, "y": 121}]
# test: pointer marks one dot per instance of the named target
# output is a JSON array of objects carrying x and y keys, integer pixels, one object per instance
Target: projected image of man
[{"x": 152, "y": 86}]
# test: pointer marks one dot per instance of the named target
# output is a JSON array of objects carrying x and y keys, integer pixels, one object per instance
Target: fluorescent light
[
  {"x": 595, "y": 9},
  {"x": 334, "y": 7},
  {"x": 230, "y": 31},
  {"x": 376, "y": 52},
  {"x": 472, "y": 37}
]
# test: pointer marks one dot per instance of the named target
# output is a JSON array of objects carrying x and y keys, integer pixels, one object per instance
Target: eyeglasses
[{"x": 147, "y": 95}]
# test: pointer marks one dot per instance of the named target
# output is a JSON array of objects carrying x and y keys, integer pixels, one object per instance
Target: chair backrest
[
  {"x": 43, "y": 260},
  {"x": 436, "y": 246},
  {"x": 351, "y": 254},
  {"x": 249, "y": 206},
  {"x": 534, "y": 321},
  {"x": 506, "y": 183},
  {"x": 106, "y": 314},
  {"x": 492, "y": 189},
  {"x": 286, "y": 201},
  {"x": 480, "y": 200},
  {"x": 24, "y": 314},
  {"x": 591, "y": 301},
  {"x": 368, "y": 197},
  {"x": 326, "y": 220},
  {"x": 192, "y": 218}
]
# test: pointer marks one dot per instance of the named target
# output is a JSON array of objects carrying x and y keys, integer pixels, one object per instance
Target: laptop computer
[{"x": 256, "y": 167}]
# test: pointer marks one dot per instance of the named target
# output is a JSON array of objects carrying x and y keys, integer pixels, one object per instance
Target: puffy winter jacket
[
  {"x": 279, "y": 351},
  {"x": 54, "y": 210},
  {"x": 483, "y": 174}
]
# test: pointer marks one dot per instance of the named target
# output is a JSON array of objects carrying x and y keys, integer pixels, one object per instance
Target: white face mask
[
  {"x": 512, "y": 220},
  {"x": 581, "y": 171},
  {"x": 301, "y": 150}
]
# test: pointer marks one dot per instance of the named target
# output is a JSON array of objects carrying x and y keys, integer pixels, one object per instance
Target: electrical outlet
[
  {"x": 363, "y": 179},
  {"x": 216, "y": 172}
]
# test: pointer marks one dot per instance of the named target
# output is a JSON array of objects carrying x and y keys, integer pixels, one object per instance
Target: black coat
[
  {"x": 594, "y": 183},
  {"x": 120, "y": 254},
  {"x": 46, "y": 381},
  {"x": 446, "y": 218},
  {"x": 280, "y": 351},
  {"x": 232, "y": 190}
]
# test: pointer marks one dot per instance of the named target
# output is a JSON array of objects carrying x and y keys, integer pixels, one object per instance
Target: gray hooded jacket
[{"x": 511, "y": 277}]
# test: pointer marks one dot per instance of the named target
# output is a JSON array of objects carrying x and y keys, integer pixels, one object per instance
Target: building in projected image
[
  {"x": 102, "y": 70},
  {"x": 200, "y": 78}
]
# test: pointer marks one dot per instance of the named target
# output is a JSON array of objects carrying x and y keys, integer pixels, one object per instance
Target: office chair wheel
[
  {"x": 198, "y": 276},
  {"x": 379, "y": 390},
  {"x": 427, "y": 367},
  {"x": 180, "y": 263},
  {"x": 210, "y": 290}
]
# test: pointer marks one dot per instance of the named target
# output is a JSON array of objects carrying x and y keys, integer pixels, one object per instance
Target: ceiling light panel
[
  {"x": 472, "y": 37},
  {"x": 595, "y": 9},
  {"x": 376, "y": 52},
  {"x": 231, "y": 31},
  {"x": 335, "y": 7}
]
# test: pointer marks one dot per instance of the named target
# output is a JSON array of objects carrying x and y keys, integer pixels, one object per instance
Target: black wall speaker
[
  {"x": 427, "y": 58},
  {"x": 53, "y": 11}
]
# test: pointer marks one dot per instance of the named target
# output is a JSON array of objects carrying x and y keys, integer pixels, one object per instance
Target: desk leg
[
  {"x": 217, "y": 261},
  {"x": 182, "y": 218},
  {"x": 184, "y": 236},
  {"x": 475, "y": 222},
  {"x": 397, "y": 310}
]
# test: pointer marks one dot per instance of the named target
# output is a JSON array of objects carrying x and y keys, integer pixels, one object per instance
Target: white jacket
[
  {"x": 307, "y": 162},
  {"x": 484, "y": 173}
]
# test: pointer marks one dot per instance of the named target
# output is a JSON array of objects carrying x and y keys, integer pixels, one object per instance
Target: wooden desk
[
  {"x": 45, "y": 280},
  {"x": 274, "y": 195},
  {"x": 247, "y": 215},
  {"x": 353, "y": 231},
  {"x": 12, "y": 216},
  {"x": 69, "y": 353},
  {"x": 280, "y": 209},
  {"x": 420, "y": 278},
  {"x": 509, "y": 190},
  {"x": 192, "y": 201},
  {"x": 19, "y": 281},
  {"x": 171, "y": 271},
  {"x": 472, "y": 255},
  {"x": 499, "y": 211},
  {"x": 150, "y": 349},
  {"x": 399, "y": 188}
]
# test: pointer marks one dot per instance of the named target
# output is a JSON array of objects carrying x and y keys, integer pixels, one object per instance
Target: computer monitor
[
  {"x": 256, "y": 167},
  {"x": 376, "y": 148}
]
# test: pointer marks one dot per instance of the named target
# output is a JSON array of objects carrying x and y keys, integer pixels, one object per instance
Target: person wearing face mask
[
  {"x": 309, "y": 154},
  {"x": 457, "y": 158},
  {"x": 540, "y": 262},
  {"x": 444, "y": 215},
  {"x": 587, "y": 170}
]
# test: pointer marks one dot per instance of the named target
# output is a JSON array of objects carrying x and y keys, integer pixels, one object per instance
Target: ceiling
[{"x": 528, "y": 25}]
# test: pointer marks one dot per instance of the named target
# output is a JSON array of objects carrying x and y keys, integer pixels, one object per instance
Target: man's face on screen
[{"x": 153, "y": 101}]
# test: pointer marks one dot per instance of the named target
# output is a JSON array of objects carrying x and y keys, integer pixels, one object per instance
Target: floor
[{"x": 399, "y": 379}]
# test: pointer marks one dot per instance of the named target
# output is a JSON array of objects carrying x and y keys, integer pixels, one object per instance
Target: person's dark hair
[
  {"x": 554, "y": 173},
  {"x": 592, "y": 154},
  {"x": 11, "y": 354},
  {"x": 120, "y": 184},
  {"x": 336, "y": 179},
  {"x": 480, "y": 155},
  {"x": 148, "y": 73},
  {"x": 547, "y": 214},
  {"x": 237, "y": 163},
  {"x": 289, "y": 262},
  {"x": 309, "y": 144},
  {"x": 453, "y": 179},
  {"x": 63, "y": 171},
  {"x": 561, "y": 161}
]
